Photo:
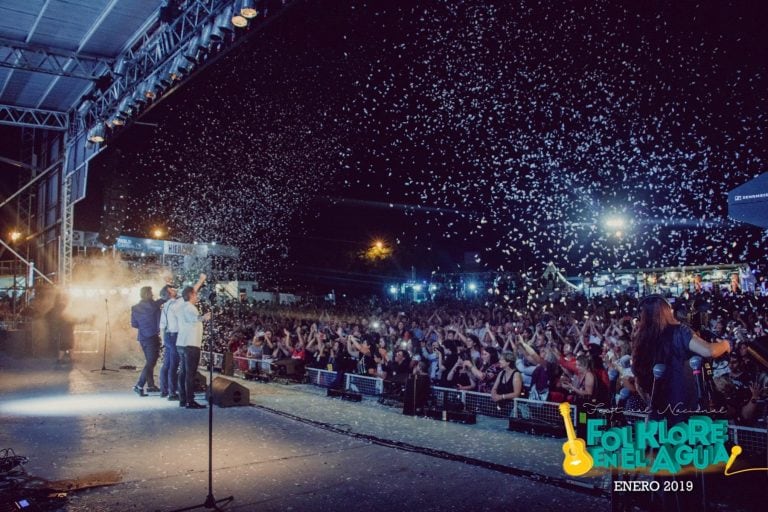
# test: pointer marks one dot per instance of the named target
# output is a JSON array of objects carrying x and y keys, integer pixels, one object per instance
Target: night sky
[{"x": 509, "y": 130}]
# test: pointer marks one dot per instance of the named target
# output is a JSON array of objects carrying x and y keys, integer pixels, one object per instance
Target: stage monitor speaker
[{"x": 226, "y": 393}]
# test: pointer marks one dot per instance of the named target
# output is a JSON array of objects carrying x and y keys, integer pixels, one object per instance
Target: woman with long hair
[{"x": 661, "y": 339}]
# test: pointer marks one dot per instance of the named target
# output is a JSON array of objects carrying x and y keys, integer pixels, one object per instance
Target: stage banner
[{"x": 749, "y": 202}]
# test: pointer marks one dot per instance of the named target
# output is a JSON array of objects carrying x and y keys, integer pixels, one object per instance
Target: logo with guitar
[
  {"x": 577, "y": 461},
  {"x": 699, "y": 443}
]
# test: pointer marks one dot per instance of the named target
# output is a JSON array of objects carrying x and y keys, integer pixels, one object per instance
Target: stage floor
[{"x": 294, "y": 449}]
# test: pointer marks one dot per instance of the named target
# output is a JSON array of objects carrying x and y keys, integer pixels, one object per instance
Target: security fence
[{"x": 753, "y": 441}]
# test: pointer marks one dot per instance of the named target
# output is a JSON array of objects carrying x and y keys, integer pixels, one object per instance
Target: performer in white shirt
[
  {"x": 169, "y": 326},
  {"x": 188, "y": 344}
]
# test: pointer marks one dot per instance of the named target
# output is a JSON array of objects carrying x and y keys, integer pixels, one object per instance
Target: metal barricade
[
  {"x": 217, "y": 359},
  {"x": 754, "y": 441},
  {"x": 448, "y": 398},
  {"x": 481, "y": 403},
  {"x": 544, "y": 412},
  {"x": 263, "y": 365},
  {"x": 322, "y": 378},
  {"x": 363, "y": 384}
]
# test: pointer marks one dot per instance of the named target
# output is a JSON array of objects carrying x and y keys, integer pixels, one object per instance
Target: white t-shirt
[
  {"x": 190, "y": 326},
  {"x": 169, "y": 320}
]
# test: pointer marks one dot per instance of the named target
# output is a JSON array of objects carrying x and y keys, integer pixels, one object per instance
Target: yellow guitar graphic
[{"x": 577, "y": 461}]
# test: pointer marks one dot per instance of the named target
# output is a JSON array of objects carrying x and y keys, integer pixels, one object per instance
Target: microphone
[
  {"x": 695, "y": 364},
  {"x": 658, "y": 373},
  {"x": 735, "y": 452}
]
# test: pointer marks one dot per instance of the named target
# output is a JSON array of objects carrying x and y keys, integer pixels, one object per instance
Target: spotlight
[
  {"x": 149, "y": 91},
  {"x": 248, "y": 10},
  {"x": 239, "y": 21},
  {"x": 417, "y": 288},
  {"x": 472, "y": 287},
  {"x": 96, "y": 134},
  {"x": 393, "y": 290},
  {"x": 615, "y": 222},
  {"x": 124, "y": 108},
  {"x": 204, "y": 41},
  {"x": 221, "y": 27}
]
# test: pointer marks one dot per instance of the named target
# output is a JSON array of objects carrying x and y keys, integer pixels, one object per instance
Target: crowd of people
[{"x": 541, "y": 346}]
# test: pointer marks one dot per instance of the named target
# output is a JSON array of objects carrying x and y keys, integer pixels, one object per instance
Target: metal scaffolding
[
  {"x": 33, "y": 117},
  {"x": 18, "y": 55}
]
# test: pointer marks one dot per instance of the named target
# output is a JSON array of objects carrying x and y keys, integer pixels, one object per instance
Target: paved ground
[{"x": 294, "y": 449}]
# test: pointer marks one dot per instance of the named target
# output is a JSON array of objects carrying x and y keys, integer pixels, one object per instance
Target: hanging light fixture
[
  {"x": 238, "y": 19},
  {"x": 204, "y": 41},
  {"x": 221, "y": 27},
  {"x": 248, "y": 9},
  {"x": 149, "y": 89},
  {"x": 96, "y": 134}
]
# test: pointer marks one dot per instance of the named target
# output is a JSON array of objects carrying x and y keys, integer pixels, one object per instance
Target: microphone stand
[
  {"x": 210, "y": 501},
  {"x": 695, "y": 364},
  {"x": 107, "y": 333}
]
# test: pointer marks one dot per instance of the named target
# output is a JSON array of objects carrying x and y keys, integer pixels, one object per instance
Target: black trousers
[{"x": 190, "y": 360}]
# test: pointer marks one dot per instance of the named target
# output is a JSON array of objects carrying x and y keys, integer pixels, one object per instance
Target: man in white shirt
[
  {"x": 188, "y": 344},
  {"x": 169, "y": 325}
]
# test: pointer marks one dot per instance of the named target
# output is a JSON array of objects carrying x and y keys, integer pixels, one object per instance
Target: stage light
[
  {"x": 15, "y": 236},
  {"x": 96, "y": 133},
  {"x": 417, "y": 288},
  {"x": 124, "y": 107},
  {"x": 432, "y": 287},
  {"x": 393, "y": 290},
  {"x": 248, "y": 10},
  {"x": 190, "y": 53},
  {"x": 615, "y": 222},
  {"x": 375, "y": 325},
  {"x": 472, "y": 287},
  {"x": 239, "y": 21},
  {"x": 148, "y": 88},
  {"x": 157, "y": 233},
  {"x": 221, "y": 25},
  {"x": 204, "y": 41},
  {"x": 379, "y": 244},
  {"x": 81, "y": 405}
]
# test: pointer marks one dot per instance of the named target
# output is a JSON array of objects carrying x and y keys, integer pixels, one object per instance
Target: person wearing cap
[{"x": 169, "y": 325}]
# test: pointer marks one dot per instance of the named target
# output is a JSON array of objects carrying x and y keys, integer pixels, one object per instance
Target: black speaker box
[
  {"x": 539, "y": 428},
  {"x": 289, "y": 368},
  {"x": 417, "y": 391},
  {"x": 228, "y": 364},
  {"x": 468, "y": 418},
  {"x": 227, "y": 393},
  {"x": 345, "y": 395}
]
